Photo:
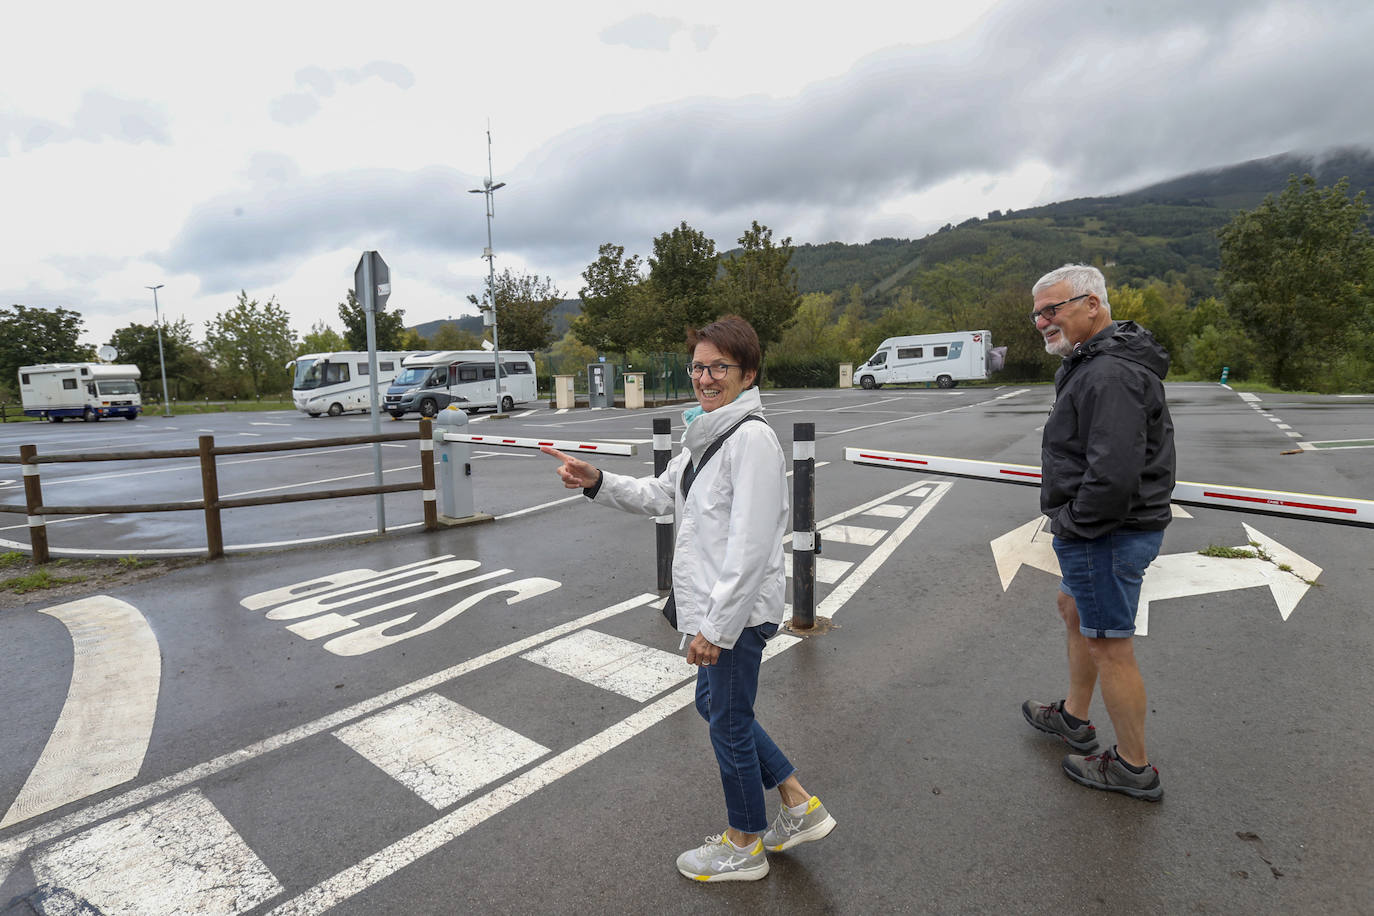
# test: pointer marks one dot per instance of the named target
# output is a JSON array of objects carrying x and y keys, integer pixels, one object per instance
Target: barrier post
[
  {"x": 663, "y": 451},
  {"x": 33, "y": 497},
  {"x": 803, "y": 526},
  {"x": 209, "y": 486},
  {"x": 427, "y": 490},
  {"x": 1225, "y": 371}
]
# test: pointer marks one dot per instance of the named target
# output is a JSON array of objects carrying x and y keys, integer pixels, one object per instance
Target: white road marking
[
  {"x": 177, "y": 856},
  {"x": 438, "y": 749},
  {"x": 12, "y": 847},
  {"x": 102, "y": 733},
  {"x": 933, "y": 413},
  {"x": 827, "y": 570},
  {"x": 889, "y": 510},
  {"x": 853, "y": 534},
  {"x": 391, "y": 859},
  {"x": 611, "y": 663}
]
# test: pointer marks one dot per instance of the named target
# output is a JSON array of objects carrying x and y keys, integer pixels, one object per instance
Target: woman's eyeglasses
[{"x": 718, "y": 371}]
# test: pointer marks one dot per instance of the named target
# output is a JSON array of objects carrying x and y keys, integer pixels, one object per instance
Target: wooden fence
[{"x": 210, "y": 502}]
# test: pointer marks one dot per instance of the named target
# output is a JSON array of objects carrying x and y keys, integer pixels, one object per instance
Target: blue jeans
[
  {"x": 750, "y": 763},
  {"x": 1103, "y": 576}
]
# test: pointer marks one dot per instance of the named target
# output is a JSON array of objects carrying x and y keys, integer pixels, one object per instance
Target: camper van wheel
[
  {"x": 428, "y": 408},
  {"x": 945, "y": 381},
  {"x": 88, "y": 415},
  {"x": 335, "y": 410},
  {"x": 867, "y": 383},
  {"x": 313, "y": 413},
  {"x": 57, "y": 419},
  {"x": 131, "y": 416},
  {"x": 507, "y": 404},
  {"x": 396, "y": 414}
]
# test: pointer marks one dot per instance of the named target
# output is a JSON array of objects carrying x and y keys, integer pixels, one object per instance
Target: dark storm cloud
[{"x": 1106, "y": 98}]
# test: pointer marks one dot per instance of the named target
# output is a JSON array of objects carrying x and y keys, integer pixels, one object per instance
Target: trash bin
[
  {"x": 846, "y": 375},
  {"x": 600, "y": 384},
  {"x": 634, "y": 390},
  {"x": 563, "y": 396}
]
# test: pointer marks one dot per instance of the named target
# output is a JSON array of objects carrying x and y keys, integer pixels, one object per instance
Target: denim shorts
[{"x": 1103, "y": 576}]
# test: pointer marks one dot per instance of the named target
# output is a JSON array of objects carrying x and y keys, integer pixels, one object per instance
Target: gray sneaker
[
  {"x": 788, "y": 830},
  {"x": 1105, "y": 771},
  {"x": 1049, "y": 718},
  {"x": 719, "y": 860}
]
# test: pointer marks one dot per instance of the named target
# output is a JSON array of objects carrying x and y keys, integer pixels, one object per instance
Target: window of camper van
[
  {"x": 467, "y": 373},
  {"x": 939, "y": 351},
  {"x": 117, "y": 386},
  {"x": 908, "y": 352},
  {"x": 69, "y": 384},
  {"x": 516, "y": 368},
  {"x": 412, "y": 376},
  {"x": 438, "y": 379},
  {"x": 488, "y": 372},
  {"x": 386, "y": 365},
  {"x": 878, "y": 359}
]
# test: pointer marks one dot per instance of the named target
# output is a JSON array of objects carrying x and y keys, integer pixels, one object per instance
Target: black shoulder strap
[{"x": 690, "y": 472}]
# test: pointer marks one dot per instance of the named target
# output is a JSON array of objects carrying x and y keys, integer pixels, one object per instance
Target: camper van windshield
[
  {"x": 412, "y": 376},
  {"x": 323, "y": 372},
  {"x": 118, "y": 386},
  {"x": 302, "y": 367}
]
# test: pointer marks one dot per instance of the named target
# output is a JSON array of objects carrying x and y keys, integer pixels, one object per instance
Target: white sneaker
[
  {"x": 719, "y": 860},
  {"x": 789, "y": 830}
]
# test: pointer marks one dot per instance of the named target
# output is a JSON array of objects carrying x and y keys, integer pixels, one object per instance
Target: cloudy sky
[{"x": 264, "y": 146}]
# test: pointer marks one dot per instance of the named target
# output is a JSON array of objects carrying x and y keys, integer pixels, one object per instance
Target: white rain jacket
[{"x": 727, "y": 561}]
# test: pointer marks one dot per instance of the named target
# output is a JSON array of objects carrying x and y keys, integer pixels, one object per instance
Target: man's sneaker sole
[
  {"x": 1151, "y": 794},
  {"x": 739, "y": 874},
  {"x": 1076, "y": 745},
  {"x": 816, "y": 832}
]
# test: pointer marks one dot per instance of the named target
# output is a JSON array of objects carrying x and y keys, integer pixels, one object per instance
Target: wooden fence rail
[{"x": 210, "y": 502}]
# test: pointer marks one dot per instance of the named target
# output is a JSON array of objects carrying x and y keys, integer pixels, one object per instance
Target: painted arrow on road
[{"x": 1177, "y": 575}]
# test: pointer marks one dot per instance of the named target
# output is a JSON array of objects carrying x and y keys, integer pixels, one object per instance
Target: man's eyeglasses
[
  {"x": 1049, "y": 311},
  {"x": 718, "y": 371}
]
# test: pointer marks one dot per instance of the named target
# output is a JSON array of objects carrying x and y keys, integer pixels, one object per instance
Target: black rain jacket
[{"x": 1107, "y": 455}]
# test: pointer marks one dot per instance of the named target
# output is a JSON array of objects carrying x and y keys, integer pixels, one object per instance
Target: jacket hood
[
  {"x": 705, "y": 427},
  {"x": 1124, "y": 340}
]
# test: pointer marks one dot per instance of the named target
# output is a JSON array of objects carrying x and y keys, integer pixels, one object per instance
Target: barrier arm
[{"x": 1337, "y": 510}]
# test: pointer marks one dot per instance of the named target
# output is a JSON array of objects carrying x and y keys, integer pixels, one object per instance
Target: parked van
[
  {"x": 945, "y": 359},
  {"x": 91, "y": 391},
  {"x": 335, "y": 382},
  {"x": 430, "y": 382}
]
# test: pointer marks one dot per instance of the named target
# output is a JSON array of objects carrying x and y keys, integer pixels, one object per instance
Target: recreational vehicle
[
  {"x": 945, "y": 359},
  {"x": 429, "y": 383},
  {"x": 91, "y": 391},
  {"x": 335, "y": 382}
]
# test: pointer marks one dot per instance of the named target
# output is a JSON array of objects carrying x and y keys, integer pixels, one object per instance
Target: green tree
[
  {"x": 389, "y": 325},
  {"x": 253, "y": 341},
  {"x": 760, "y": 285},
  {"x": 682, "y": 273},
  {"x": 524, "y": 309},
  {"x": 1298, "y": 274},
  {"x": 451, "y": 337},
  {"x": 31, "y": 336},
  {"x": 613, "y": 303},
  {"x": 137, "y": 344},
  {"x": 323, "y": 339}
]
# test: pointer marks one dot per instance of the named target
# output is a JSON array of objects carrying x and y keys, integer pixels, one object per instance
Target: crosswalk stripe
[
  {"x": 627, "y": 668},
  {"x": 439, "y": 749},
  {"x": 853, "y": 534},
  {"x": 159, "y": 860},
  {"x": 889, "y": 510},
  {"x": 828, "y": 571}
]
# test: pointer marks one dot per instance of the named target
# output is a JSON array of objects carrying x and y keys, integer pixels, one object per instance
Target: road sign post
[{"x": 372, "y": 280}]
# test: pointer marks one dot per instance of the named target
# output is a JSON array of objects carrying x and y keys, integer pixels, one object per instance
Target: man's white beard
[{"x": 1061, "y": 346}]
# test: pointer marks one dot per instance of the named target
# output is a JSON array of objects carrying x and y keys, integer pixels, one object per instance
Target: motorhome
[
  {"x": 429, "y": 383},
  {"x": 945, "y": 359},
  {"x": 91, "y": 391},
  {"x": 336, "y": 382}
]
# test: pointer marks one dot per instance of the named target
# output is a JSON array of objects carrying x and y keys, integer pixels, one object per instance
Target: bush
[{"x": 803, "y": 371}]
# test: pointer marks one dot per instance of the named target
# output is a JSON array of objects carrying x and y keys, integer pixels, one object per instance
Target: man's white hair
[{"x": 1083, "y": 279}]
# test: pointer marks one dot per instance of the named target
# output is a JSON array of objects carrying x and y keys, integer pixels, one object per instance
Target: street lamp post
[
  {"x": 487, "y": 190},
  {"x": 157, "y": 318}
]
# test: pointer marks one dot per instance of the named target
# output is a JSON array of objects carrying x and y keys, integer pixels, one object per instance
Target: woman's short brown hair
[{"x": 733, "y": 336}]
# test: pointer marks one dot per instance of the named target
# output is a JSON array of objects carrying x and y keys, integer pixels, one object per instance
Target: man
[{"x": 1107, "y": 473}]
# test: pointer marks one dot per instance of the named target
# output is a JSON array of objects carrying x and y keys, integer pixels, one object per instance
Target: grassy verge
[{"x": 67, "y": 577}]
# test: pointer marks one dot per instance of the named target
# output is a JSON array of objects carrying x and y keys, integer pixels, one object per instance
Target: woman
[{"x": 728, "y": 588}]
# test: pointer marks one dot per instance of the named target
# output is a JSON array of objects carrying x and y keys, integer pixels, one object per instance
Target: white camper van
[
  {"x": 429, "y": 383},
  {"x": 90, "y": 391},
  {"x": 945, "y": 359},
  {"x": 335, "y": 382}
]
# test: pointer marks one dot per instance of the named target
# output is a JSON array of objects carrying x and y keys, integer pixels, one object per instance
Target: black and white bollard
[
  {"x": 804, "y": 546},
  {"x": 663, "y": 451}
]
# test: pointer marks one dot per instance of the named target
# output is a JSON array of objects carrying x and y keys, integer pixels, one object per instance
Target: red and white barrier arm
[
  {"x": 623, "y": 449},
  {"x": 1337, "y": 509}
]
